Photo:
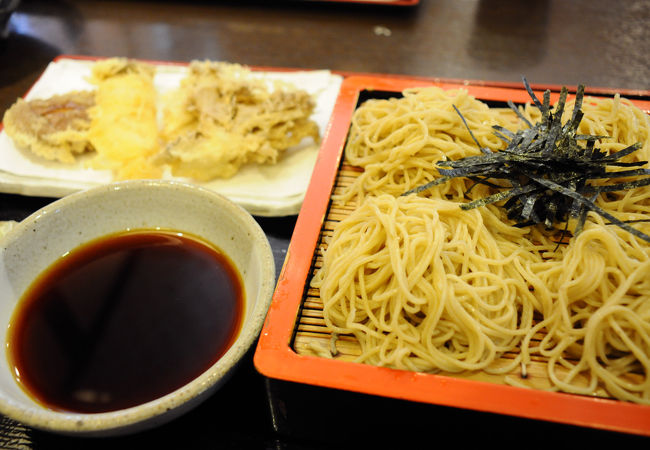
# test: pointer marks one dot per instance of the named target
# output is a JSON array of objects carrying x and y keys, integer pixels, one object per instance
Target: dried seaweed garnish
[{"x": 547, "y": 173}]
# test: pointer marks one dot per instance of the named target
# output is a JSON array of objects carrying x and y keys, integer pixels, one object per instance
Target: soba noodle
[
  {"x": 398, "y": 141},
  {"x": 423, "y": 285}
]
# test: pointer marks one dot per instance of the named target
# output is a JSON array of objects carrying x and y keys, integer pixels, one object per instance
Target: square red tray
[{"x": 275, "y": 357}]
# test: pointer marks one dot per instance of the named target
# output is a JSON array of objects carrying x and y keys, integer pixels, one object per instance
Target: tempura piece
[
  {"x": 221, "y": 118},
  {"x": 124, "y": 128},
  {"x": 55, "y": 128}
]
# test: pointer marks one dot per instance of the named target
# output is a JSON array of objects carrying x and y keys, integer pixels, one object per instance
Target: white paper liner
[{"x": 264, "y": 190}]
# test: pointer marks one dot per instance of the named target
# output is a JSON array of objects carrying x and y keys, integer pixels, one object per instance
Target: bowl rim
[{"x": 122, "y": 421}]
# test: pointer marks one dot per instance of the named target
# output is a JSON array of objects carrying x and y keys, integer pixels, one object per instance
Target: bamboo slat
[{"x": 312, "y": 337}]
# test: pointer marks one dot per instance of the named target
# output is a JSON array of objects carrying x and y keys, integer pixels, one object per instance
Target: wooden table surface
[{"x": 595, "y": 42}]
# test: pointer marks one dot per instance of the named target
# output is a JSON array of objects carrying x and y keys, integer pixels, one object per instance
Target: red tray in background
[
  {"x": 275, "y": 357},
  {"x": 375, "y": 2}
]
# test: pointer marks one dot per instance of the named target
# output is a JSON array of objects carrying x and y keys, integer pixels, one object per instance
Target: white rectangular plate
[{"x": 264, "y": 190}]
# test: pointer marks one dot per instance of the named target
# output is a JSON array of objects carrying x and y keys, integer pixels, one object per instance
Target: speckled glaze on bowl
[{"x": 35, "y": 243}]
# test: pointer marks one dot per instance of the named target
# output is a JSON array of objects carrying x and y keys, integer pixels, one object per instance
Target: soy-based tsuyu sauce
[{"x": 123, "y": 320}]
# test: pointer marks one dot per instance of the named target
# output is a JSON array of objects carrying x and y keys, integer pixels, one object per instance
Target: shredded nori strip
[{"x": 546, "y": 171}]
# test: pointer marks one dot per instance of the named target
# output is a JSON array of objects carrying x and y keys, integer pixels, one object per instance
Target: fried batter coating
[
  {"x": 55, "y": 128},
  {"x": 124, "y": 127},
  {"x": 114, "y": 67},
  {"x": 221, "y": 118}
]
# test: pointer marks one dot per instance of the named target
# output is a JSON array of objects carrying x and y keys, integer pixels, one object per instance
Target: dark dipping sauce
[{"x": 123, "y": 320}]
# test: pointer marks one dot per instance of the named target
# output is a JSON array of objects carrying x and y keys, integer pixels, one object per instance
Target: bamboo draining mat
[{"x": 313, "y": 338}]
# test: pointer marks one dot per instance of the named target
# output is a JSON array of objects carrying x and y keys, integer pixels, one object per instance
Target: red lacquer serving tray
[{"x": 276, "y": 358}]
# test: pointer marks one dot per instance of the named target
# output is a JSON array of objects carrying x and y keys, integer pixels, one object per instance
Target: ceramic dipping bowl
[{"x": 40, "y": 240}]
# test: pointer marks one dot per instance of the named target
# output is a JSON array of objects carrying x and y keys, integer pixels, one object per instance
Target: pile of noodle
[{"x": 423, "y": 285}]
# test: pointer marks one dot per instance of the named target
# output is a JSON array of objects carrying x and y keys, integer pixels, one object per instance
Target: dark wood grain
[
  {"x": 593, "y": 42},
  {"x": 596, "y": 42}
]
